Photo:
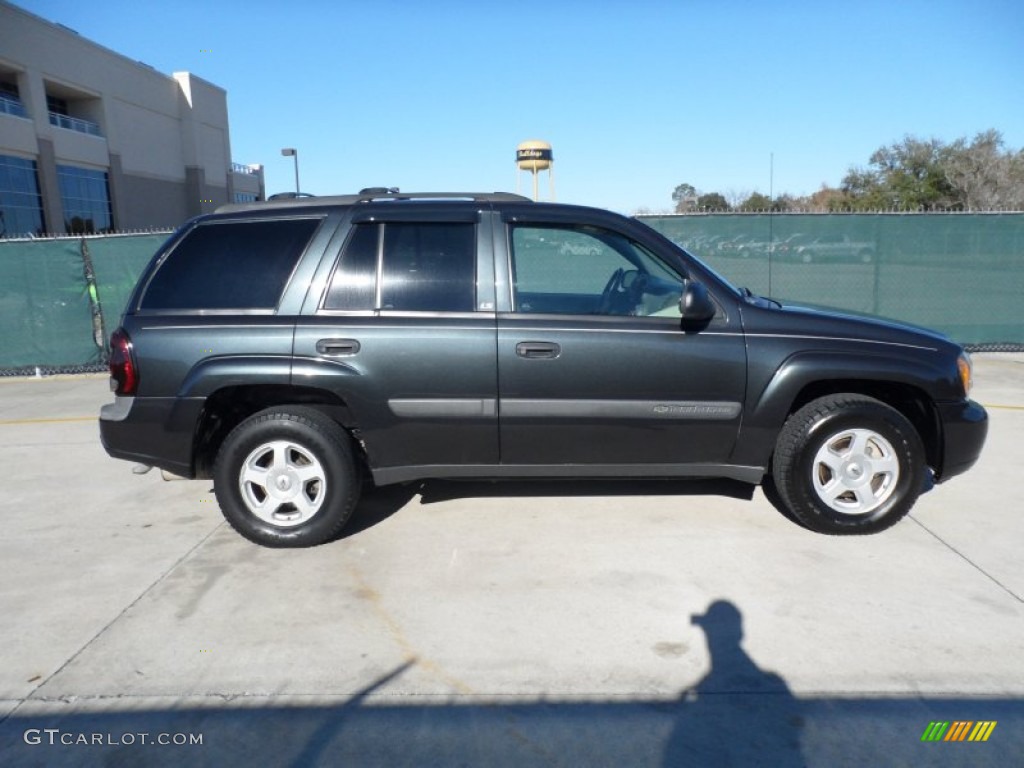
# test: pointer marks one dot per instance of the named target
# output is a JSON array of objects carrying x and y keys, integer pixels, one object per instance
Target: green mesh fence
[
  {"x": 45, "y": 318},
  {"x": 118, "y": 262},
  {"x": 962, "y": 274},
  {"x": 60, "y": 299}
]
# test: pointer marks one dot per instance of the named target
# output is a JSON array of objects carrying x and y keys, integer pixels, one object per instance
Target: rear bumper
[
  {"x": 152, "y": 430},
  {"x": 964, "y": 427}
]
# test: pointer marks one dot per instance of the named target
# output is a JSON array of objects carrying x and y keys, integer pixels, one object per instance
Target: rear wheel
[
  {"x": 287, "y": 477},
  {"x": 848, "y": 464}
]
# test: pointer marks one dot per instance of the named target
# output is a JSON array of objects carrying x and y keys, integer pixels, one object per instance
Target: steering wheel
[{"x": 608, "y": 294}]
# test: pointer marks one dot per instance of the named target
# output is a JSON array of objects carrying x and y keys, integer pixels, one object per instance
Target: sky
[{"x": 634, "y": 97}]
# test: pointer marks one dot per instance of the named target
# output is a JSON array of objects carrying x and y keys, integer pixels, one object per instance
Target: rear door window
[
  {"x": 230, "y": 265},
  {"x": 429, "y": 267},
  {"x": 425, "y": 267}
]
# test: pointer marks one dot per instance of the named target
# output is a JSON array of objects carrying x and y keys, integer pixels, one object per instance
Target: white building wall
[
  {"x": 151, "y": 145},
  {"x": 164, "y": 138},
  {"x": 18, "y": 136}
]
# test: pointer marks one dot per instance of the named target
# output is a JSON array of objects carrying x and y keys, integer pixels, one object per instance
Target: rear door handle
[
  {"x": 534, "y": 350},
  {"x": 337, "y": 346}
]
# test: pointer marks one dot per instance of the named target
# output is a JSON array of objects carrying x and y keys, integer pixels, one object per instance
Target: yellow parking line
[
  {"x": 1006, "y": 407},
  {"x": 12, "y": 422},
  {"x": 53, "y": 377}
]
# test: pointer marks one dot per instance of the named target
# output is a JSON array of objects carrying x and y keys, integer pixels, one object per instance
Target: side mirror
[{"x": 695, "y": 304}]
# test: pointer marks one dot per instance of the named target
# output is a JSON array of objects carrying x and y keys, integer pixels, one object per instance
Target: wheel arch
[
  {"x": 911, "y": 401},
  {"x": 228, "y": 406},
  {"x": 902, "y": 383}
]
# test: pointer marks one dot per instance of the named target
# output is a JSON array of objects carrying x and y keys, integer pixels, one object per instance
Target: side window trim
[
  {"x": 295, "y": 289},
  {"x": 345, "y": 250},
  {"x": 378, "y": 289}
]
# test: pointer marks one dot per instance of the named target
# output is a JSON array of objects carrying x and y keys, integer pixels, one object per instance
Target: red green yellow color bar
[{"x": 958, "y": 730}]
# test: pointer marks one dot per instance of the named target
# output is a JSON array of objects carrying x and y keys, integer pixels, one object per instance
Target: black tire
[
  {"x": 312, "y": 481},
  {"x": 864, "y": 490}
]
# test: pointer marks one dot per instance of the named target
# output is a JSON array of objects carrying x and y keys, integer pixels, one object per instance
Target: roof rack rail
[
  {"x": 494, "y": 197},
  {"x": 373, "y": 196}
]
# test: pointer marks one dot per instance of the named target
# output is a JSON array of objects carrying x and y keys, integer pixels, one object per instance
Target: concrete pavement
[{"x": 545, "y": 623}]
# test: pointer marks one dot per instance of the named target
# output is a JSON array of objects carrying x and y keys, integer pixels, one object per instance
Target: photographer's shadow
[{"x": 738, "y": 714}]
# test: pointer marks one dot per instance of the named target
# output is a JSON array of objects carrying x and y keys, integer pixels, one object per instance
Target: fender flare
[{"x": 767, "y": 408}]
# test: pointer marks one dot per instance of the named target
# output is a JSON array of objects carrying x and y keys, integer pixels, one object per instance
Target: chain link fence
[
  {"x": 962, "y": 274},
  {"x": 958, "y": 273},
  {"x": 61, "y": 298}
]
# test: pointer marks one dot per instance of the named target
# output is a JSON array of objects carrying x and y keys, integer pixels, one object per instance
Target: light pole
[{"x": 292, "y": 152}]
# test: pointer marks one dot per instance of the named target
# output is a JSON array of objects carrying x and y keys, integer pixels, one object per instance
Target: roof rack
[
  {"x": 374, "y": 196},
  {"x": 486, "y": 197}
]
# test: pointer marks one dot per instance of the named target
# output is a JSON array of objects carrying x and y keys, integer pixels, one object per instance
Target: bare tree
[{"x": 983, "y": 175}]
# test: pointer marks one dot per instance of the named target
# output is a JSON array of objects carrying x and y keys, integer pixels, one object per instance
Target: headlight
[{"x": 966, "y": 369}]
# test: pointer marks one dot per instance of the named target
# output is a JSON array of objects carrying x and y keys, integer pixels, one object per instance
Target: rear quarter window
[{"x": 230, "y": 265}]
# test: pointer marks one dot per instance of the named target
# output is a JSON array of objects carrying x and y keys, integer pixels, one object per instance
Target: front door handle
[
  {"x": 337, "y": 346},
  {"x": 534, "y": 350}
]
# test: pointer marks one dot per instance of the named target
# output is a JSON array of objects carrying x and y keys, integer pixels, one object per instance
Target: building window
[
  {"x": 85, "y": 196},
  {"x": 21, "y": 207},
  {"x": 57, "y": 105},
  {"x": 10, "y": 100},
  {"x": 245, "y": 197},
  {"x": 62, "y": 117}
]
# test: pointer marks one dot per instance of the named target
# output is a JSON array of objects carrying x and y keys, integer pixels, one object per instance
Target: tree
[
  {"x": 929, "y": 175},
  {"x": 983, "y": 175},
  {"x": 712, "y": 202},
  {"x": 756, "y": 202},
  {"x": 827, "y": 199},
  {"x": 685, "y": 197},
  {"x": 911, "y": 174},
  {"x": 784, "y": 202}
]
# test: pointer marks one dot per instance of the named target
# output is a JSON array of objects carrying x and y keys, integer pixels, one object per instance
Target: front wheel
[
  {"x": 287, "y": 477},
  {"x": 848, "y": 464}
]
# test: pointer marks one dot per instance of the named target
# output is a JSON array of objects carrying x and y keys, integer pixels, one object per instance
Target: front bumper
[{"x": 964, "y": 427}]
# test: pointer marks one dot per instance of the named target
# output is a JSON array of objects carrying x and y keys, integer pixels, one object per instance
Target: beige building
[{"x": 91, "y": 141}]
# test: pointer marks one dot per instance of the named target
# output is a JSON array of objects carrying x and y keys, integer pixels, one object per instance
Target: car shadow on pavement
[
  {"x": 433, "y": 491},
  {"x": 378, "y": 503},
  {"x": 771, "y": 493}
]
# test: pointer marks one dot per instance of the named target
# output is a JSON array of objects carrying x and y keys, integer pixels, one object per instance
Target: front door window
[{"x": 589, "y": 271}]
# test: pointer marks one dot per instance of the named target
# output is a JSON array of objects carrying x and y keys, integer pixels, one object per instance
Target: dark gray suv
[{"x": 292, "y": 349}]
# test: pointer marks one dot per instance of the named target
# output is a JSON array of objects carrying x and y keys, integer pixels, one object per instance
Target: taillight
[{"x": 124, "y": 379}]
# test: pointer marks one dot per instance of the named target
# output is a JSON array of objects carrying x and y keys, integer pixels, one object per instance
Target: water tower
[{"x": 536, "y": 156}]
